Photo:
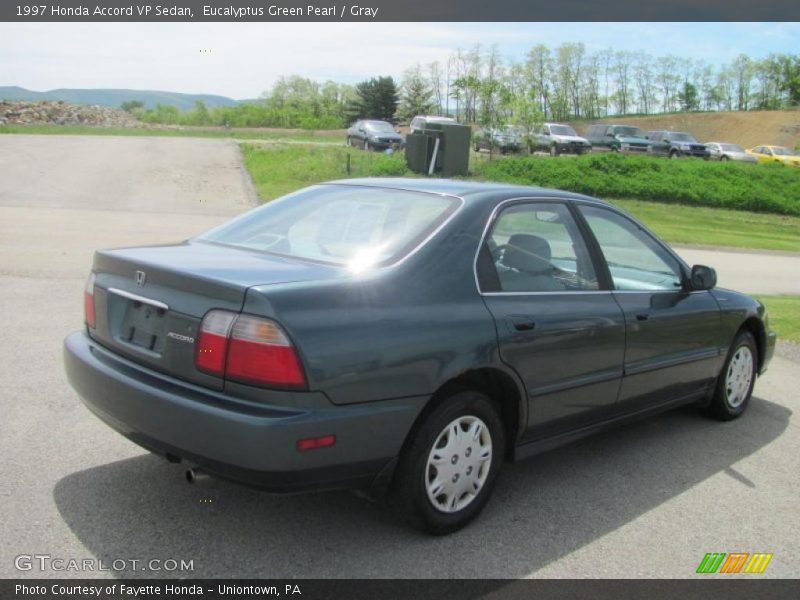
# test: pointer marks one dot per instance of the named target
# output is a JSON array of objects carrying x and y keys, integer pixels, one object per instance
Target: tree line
[{"x": 478, "y": 86}]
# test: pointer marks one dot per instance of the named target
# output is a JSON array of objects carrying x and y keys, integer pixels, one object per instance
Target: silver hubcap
[
  {"x": 458, "y": 464},
  {"x": 739, "y": 376}
]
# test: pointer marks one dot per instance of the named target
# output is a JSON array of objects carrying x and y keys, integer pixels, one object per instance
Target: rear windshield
[{"x": 353, "y": 226}]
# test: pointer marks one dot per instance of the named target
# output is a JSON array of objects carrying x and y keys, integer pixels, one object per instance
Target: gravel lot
[{"x": 647, "y": 500}]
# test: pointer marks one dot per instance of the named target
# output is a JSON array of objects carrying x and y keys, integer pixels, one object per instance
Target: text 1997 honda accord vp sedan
[{"x": 405, "y": 335}]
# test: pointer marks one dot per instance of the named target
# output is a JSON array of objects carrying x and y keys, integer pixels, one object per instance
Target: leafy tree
[
  {"x": 416, "y": 97},
  {"x": 688, "y": 97},
  {"x": 132, "y": 105},
  {"x": 375, "y": 98}
]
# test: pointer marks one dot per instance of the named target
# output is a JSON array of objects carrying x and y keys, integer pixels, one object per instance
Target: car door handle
[
  {"x": 522, "y": 323},
  {"x": 642, "y": 317}
]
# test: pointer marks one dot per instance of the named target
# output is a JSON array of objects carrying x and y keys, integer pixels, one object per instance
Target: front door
[
  {"x": 556, "y": 327},
  {"x": 672, "y": 332}
]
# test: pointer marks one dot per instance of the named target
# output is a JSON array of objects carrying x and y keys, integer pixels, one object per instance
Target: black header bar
[{"x": 396, "y": 10}]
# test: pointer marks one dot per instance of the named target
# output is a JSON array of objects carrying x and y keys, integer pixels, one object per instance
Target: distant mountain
[{"x": 109, "y": 97}]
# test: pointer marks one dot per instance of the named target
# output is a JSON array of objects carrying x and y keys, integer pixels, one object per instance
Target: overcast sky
[{"x": 241, "y": 60}]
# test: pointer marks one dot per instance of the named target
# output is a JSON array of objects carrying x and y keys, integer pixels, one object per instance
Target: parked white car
[{"x": 557, "y": 139}]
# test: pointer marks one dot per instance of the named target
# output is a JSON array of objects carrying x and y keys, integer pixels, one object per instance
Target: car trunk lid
[{"x": 149, "y": 301}]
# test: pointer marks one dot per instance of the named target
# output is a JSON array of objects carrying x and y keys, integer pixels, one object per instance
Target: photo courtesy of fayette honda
[{"x": 405, "y": 338}]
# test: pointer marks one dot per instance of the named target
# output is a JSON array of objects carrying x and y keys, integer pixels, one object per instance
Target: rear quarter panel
[{"x": 401, "y": 331}]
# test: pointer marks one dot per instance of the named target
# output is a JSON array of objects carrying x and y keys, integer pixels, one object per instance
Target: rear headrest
[{"x": 528, "y": 253}]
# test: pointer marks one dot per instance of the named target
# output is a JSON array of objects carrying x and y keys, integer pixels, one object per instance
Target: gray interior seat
[{"x": 529, "y": 268}]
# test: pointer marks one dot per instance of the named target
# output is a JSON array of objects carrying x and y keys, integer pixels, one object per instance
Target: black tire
[
  {"x": 724, "y": 159},
  {"x": 673, "y": 155},
  {"x": 553, "y": 150},
  {"x": 367, "y": 147},
  {"x": 349, "y": 141},
  {"x": 410, "y": 484},
  {"x": 731, "y": 396}
]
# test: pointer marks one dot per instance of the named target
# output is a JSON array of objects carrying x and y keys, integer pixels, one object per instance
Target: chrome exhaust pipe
[{"x": 192, "y": 474}]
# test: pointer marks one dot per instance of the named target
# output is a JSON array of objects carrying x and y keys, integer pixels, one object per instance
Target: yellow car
[{"x": 776, "y": 154}]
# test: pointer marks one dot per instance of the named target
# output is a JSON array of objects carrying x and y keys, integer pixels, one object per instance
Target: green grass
[
  {"x": 768, "y": 188},
  {"x": 682, "y": 224},
  {"x": 784, "y": 316},
  {"x": 294, "y": 135},
  {"x": 280, "y": 169}
]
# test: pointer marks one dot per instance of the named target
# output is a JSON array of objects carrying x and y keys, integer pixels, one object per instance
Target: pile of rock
[{"x": 61, "y": 113}]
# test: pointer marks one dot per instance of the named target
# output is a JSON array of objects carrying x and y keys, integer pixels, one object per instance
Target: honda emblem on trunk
[{"x": 140, "y": 277}]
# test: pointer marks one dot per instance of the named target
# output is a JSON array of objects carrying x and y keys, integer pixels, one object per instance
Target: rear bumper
[{"x": 251, "y": 443}]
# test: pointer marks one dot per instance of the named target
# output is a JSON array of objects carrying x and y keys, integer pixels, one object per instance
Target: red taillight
[
  {"x": 212, "y": 343},
  {"x": 261, "y": 353},
  {"x": 313, "y": 443},
  {"x": 88, "y": 302},
  {"x": 248, "y": 349}
]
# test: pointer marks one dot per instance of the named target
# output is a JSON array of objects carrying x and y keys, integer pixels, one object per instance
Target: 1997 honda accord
[{"x": 405, "y": 336}]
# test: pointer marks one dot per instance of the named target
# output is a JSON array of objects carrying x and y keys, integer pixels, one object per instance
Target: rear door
[
  {"x": 672, "y": 333},
  {"x": 556, "y": 325}
]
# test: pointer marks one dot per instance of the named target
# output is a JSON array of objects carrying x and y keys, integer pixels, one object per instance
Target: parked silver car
[
  {"x": 556, "y": 139},
  {"x": 725, "y": 151}
]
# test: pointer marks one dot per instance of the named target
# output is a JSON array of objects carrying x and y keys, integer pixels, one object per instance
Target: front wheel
[
  {"x": 448, "y": 467},
  {"x": 367, "y": 147},
  {"x": 736, "y": 380},
  {"x": 724, "y": 158},
  {"x": 553, "y": 150}
]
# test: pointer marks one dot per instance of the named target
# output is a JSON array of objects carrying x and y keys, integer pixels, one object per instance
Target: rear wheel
[
  {"x": 448, "y": 468},
  {"x": 736, "y": 380}
]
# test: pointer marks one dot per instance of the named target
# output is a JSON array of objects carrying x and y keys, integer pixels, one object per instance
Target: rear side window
[
  {"x": 537, "y": 247},
  {"x": 352, "y": 226}
]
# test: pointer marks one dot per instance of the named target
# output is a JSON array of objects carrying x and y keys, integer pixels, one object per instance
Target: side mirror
[{"x": 703, "y": 278}]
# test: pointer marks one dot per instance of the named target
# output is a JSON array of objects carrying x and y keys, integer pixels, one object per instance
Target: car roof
[{"x": 468, "y": 190}]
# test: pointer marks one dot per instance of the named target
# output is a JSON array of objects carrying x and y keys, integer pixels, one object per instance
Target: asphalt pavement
[{"x": 647, "y": 500}]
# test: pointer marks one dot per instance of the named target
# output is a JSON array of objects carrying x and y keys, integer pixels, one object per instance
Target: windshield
[
  {"x": 627, "y": 131},
  {"x": 731, "y": 148},
  {"x": 353, "y": 226},
  {"x": 677, "y": 136},
  {"x": 381, "y": 126},
  {"x": 562, "y": 130},
  {"x": 779, "y": 151}
]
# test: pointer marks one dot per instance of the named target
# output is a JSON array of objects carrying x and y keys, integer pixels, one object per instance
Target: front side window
[
  {"x": 537, "y": 247},
  {"x": 352, "y": 226},
  {"x": 636, "y": 261}
]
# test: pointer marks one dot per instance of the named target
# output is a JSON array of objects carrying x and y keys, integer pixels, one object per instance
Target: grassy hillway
[{"x": 753, "y": 128}]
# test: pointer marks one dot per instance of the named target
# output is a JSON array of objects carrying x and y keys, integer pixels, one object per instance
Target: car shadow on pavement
[{"x": 543, "y": 508}]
